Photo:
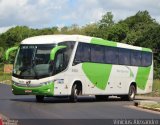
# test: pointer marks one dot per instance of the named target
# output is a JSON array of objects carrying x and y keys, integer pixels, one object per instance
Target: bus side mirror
[
  {"x": 9, "y": 51},
  {"x": 54, "y": 51}
]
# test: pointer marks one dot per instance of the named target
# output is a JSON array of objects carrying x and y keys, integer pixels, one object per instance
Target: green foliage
[
  {"x": 118, "y": 32},
  {"x": 90, "y": 30},
  {"x": 139, "y": 30},
  {"x": 106, "y": 21},
  {"x": 1, "y": 52},
  {"x": 105, "y": 25}
]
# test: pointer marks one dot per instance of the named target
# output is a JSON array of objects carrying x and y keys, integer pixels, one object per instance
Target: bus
[{"x": 75, "y": 65}]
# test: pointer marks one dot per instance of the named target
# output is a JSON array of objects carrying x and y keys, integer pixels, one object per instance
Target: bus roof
[
  {"x": 51, "y": 39},
  {"x": 54, "y": 39}
]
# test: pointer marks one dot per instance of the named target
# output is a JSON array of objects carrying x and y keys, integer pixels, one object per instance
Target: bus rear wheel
[
  {"x": 39, "y": 98},
  {"x": 131, "y": 94}
]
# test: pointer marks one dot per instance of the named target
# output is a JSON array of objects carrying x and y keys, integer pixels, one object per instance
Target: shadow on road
[{"x": 65, "y": 100}]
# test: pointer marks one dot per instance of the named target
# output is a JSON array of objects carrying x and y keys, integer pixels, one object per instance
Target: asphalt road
[{"x": 25, "y": 107}]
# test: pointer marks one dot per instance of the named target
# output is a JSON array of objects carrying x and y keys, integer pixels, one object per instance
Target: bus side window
[
  {"x": 111, "y": 55},
  {"x": 146, "y": 59},
  {"x": 124, "y": 56},
  {"x": 97, "y": 54},
  {"x": 136, "y": 58},
  {"x": 82, "y": 53},
  {"x": 59, "y": 62}
]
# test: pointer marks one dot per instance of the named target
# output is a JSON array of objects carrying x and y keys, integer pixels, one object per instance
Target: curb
[{"x": 142, "y": 104}]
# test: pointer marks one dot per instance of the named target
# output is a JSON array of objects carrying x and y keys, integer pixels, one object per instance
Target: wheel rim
[
  {"x": 75, "y": 92},
  {"x": 132, "y": 93}
]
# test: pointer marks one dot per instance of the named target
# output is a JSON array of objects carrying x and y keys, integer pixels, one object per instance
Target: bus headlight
[
  {"x": 46, "y": 83},
  {"x": 59, "y": 81}
]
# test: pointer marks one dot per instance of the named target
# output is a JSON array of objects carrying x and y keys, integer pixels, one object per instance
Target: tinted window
[
  {"x": 146, "y": 59},
  {"x": 83, "y": 53},
  {"x": 111, "y": 55},
  {"x": 135, "y": 58},
  {"x": 97, "y": 53},
  {"x": 59, "y": 62},
  {"x": 124, "y": 56}
]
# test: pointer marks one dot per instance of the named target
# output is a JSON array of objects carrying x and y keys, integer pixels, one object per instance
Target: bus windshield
[{"x": 33, "y": 61}]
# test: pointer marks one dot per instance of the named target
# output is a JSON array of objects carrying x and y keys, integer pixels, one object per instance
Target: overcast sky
[{"x": 49, "y": 13}]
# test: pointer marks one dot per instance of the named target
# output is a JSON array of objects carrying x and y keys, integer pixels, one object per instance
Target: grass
[
  {"x": 156, "y": 88},
  {"x": 152, "y": 106},
  {"x": 5, "y": 78},
  {"x": 1, "y": 67}
]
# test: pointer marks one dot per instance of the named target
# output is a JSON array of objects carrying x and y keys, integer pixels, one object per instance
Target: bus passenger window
[
  {"x": 146, "y": 58},
  {"x": 124, "y": 56},
  {"x": 82, "y": 53},
  {"x": 97, "y": 54},
  {"x": 111, "y": 55},
  {"x": 136, "y": 58},
  {"x": 59, "y": 63}
]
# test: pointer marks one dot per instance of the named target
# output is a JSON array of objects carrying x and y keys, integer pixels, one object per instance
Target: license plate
[{"x": 28, "y": 91}]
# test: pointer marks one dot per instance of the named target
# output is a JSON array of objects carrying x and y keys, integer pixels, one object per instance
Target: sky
[{"x": 50, "y": 13}]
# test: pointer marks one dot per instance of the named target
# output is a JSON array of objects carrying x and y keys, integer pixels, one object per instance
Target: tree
[
  {"x": 1, "y": 54},
  {"x": 105, "y": 24},
  {"x": 106, "y": 21},
  {"x": 118, "y": 32},
  {"x": 91, "y": 30}
]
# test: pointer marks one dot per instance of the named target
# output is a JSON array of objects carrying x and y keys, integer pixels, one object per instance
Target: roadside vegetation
[
  {"x": 4, "y": 77},
  {"x": 151, "y": 106},
  {"x": 156, "y": 88}
]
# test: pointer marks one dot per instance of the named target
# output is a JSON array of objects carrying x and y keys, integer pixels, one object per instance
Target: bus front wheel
[
  {"x": 74, "y": 93},
  {"x": 39, "y": 98}
]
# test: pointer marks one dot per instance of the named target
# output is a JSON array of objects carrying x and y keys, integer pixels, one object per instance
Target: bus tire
[
  {"x": 101, "y": 97},
  {"x": 74, "y": 93},
  {"x": 39, "y": 98},
  {"x": 131, "y": 94}
]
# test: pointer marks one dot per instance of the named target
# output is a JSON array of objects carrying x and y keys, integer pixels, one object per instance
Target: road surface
[{"x": 25, "y": 107}]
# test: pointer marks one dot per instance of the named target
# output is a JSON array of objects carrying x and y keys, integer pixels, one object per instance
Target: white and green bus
[{"x": 73, "y": 65}]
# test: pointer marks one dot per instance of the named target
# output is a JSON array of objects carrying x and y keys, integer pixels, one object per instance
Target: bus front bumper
[{"x": 46, "y": 90}]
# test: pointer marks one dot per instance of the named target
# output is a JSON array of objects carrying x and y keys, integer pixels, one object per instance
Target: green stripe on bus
[
  {"x": 142, "y": 77},
  {"x": 146, "y": 49},
  {"x": 42, "y": 90},
  {"x": 103, "y": 42},
  {"x": 98, "y": 74}
]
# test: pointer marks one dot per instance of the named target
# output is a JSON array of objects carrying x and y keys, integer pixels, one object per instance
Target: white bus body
[{"x": 82, "y": 65}]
